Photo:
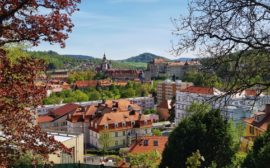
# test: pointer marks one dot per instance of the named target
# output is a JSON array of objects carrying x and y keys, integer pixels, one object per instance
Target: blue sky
[{"x": 122, "y": 28}]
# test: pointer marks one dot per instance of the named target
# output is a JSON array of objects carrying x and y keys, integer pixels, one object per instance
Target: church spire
[{"x": 104, "y": 57}]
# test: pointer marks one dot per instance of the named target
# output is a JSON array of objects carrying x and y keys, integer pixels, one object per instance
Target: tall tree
[
  {"x": 234, "y": 34},
  {"x": 29, "y": 21},
  {"x": 207, "y": 132},
  {"x": 259, "y": 156}
]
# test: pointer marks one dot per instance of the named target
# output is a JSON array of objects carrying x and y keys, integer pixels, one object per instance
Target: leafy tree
[
  {"x": 156, "y": 132},
  {"x": 150, "y": 111},
  {"x": 52, "y": 100},
  {"x": 259, "y": 156},
  {"x": 95, "y": 95},
  {"x": 232, "y": 34},
  {"x": 144, "y": 160},
  {"x": 198, "y": 108},
  {"x": 203, "y": 131},
  {"x": 22, "y": 21},
  {"x": 194, "y": 161},
  {"x": 82, "y": 75},
  {"x": 80, "y": 96},
  {"x": 127, "y": 93},
  {"x": 105, "y": 141}
]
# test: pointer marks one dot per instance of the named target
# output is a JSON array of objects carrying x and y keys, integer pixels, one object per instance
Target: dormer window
[
  {"x": 116, "y": 125},
  {"x": 132, "y": 123},
  {"x": 123, "y": 124},
  {"x": 106, "y": 126}
]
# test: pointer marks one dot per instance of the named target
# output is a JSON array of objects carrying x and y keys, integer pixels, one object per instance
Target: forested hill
[
  {"x": 79, "y": 62},
  {"x": 145, "y": 57}
]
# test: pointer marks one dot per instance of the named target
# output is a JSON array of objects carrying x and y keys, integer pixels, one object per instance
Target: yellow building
[
  {"x": 72, "y": 141},
  {"x": 258, "y": 124}
]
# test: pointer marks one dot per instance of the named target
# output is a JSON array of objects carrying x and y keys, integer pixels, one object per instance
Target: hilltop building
[
  {"x": 161, "y": 68},
  {"x": 105, "y": 65}
]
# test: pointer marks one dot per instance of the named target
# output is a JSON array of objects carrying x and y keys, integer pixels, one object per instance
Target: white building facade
[{"x": 234, "y": 108}]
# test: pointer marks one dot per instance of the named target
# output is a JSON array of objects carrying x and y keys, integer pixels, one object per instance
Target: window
[
  {"x": 132, "y": 123},
  {"x": 155, "y": 143},
  {"x": 145, "y": 131},
  {"x": 123, "y": 124},
  {"x": 95, "y": 125},
  {"x": 116, "y": 125},
  {"x": 251, "y": 130},
  {"x": 116, "y": 143},
  {"x": 124, "y": 142},
  {"x": 116, "y": 134},
  {"x": 145, "y": 142},
  {"x": 124, "y": 133},
  {"x": 106, "y": 126}
]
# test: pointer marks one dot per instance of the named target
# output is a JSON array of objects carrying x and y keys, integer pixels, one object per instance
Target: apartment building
[
  {"x": 122, "y": 128},
  {"x": 89, "y": 122},
  {"x": 166, "y": 90},
  {"x": 144, "y": 102},
  {"x": 234, "y": 107},
  {"x": 160, "y": 68}
]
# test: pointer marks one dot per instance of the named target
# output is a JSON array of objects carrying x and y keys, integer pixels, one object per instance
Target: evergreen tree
[{"x": 207, "y": 132}]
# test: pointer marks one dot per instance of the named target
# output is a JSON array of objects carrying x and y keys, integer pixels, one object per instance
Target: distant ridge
[
  {"x": 80, "y": 56},
  {"x": 145, "y": 58},
  {"x": 184, "y": 59}
]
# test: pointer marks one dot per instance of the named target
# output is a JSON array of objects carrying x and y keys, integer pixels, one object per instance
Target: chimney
[{"x": 267, "y": 109}]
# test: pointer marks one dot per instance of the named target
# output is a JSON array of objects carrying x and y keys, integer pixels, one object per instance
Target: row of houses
[
  {"x": 144, "y": 102},
  {"x": 122, "y": 119}
]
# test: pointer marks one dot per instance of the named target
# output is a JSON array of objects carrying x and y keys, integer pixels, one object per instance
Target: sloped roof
[
  {"x": 140, "y": 147},
  {"x": 117, "y": 117},
  {"x": 63, "y": 110},
  {"x": 86, "y": 83},
  {"x": 199, "y": 90},
  {"x": 43, "y": 119},
  {"x": 261, "y": 125}
]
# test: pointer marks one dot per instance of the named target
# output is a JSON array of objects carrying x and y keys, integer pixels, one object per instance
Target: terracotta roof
[
  {"x": 122, "y": 104},
  {"x": 199, "y": 90},
  {"x": 63, "y": 110},
  {"x": 261, "y": 125},
  {"x": 250, "y": 92},
  {"x": 117, "y": 117},
  {"x": 149, "y": 144},
  {"x": 43, "y": 119},
  {"x": 84, "y": 84}
]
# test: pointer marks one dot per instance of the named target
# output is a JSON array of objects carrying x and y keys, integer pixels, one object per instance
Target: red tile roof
[
  {"x": 43, "y": 119},
  {"x": 199, "y": 90},
  {"x": 85, "y": 84},
  {"x": 141, "y": 147},
  {"x": 250, "y": 92},
  {"x": 63, "y": 110}
]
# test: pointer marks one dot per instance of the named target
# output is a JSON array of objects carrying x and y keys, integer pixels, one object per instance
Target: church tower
[{"x": 105, "y": 65}]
